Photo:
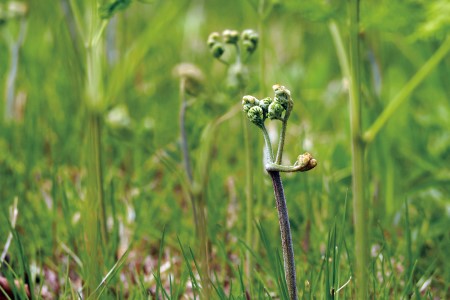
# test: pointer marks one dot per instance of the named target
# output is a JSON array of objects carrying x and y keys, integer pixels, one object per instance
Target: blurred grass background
[{"x": 41, "y": 145}]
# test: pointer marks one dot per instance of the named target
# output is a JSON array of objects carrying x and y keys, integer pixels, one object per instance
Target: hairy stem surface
[{"x": 286, "y": 238}]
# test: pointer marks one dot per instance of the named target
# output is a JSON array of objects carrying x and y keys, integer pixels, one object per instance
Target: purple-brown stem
[{"x": 286, "y": 238}]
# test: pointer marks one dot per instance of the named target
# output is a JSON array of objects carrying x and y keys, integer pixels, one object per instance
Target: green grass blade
[{"x": 109, "y": 276}]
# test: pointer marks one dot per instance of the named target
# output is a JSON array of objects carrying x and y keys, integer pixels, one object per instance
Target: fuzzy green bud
[
  {"x": 213, "y": 39},
  {"x": 264, "y": 104},
  {"x": 250, "y": 40},
  {"x": 230, "y": 36},
  {"x": 254, "y": 38},
  {"x": 281, "y": 91},
  {"x": 283, "y": 96},
  {"x": 217, "y": 50},
  {"x": 249, "y": 46},
  {"x": 248, "y": 102},
  {"x": 256, "y": 115},
  {"x": 275, "y": 111},
  {"x": 247, "y": 34}
]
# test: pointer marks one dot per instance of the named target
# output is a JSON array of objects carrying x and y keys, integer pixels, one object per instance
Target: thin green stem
[
  {"x": 78, "y": 19},
  {"x": 94, "y": 83},
  {"x": 286, "y": 238},
  {"x": 238, "y": 54},
  {"x": 185, "y": 152},
  {"x": 259, "y": 182},
  {"x": 249, "y": 196},
  {"x": 262, "y": 61},
  {"x": 405, "y": 92},
  {"x": 100, "y": 31},
  {"x": 250, "y": 215},
  {"x": 360, "y": 205},
  {"x": 340, "y": 49},
  {"x": 282, "y": 139},
  {"x": 304, "y": 163},
  {"x": 268, "y": 149}
]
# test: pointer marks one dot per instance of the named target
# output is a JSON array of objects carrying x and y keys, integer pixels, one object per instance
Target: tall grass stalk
[
  {"x": 95, "y": 205},
  {"x": 184, "y": 140},
  {"x": 94, "y": 212},
  {"x": 250, "y": 213},
  {"x": 360, "y": 139},
  {"x": 360, "y": 205},
  {"x": 237, "y": 78}
]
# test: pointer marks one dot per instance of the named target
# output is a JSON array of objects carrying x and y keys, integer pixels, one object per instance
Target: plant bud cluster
[
  {"x": 216, "y": 41},
  {"x": 275, "y": 109}
]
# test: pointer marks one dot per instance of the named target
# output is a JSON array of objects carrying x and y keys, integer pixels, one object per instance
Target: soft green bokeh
[{"x": 408, "y": 162}]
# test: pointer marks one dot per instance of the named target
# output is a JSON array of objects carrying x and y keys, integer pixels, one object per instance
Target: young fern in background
[
  {"x": 279, "y": 108},
  {"x": 237, "y": 79}
]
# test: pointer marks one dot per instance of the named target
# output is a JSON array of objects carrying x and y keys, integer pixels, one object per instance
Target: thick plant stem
[
  {"x": 95, "y": 214},
  {"x": 360, "y": 205},
  {"x": 286, "y": 238},
  {"x": 95, "y": 225},
  {"x": 250, "y": 215}
]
